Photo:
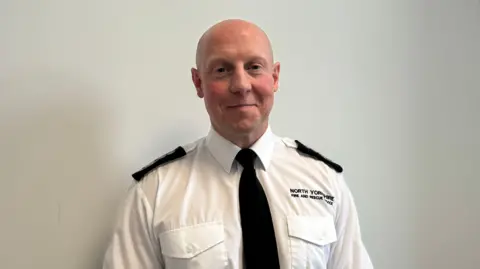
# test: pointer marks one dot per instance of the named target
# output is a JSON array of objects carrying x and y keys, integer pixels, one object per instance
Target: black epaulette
[
  {"x": 312, "y": 153},
  {"x": 173, "y": 155}
]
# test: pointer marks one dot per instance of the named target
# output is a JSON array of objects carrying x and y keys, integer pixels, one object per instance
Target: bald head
[
  {"x": 233, "y": 31},
  {"x": 237, "y": 79}
]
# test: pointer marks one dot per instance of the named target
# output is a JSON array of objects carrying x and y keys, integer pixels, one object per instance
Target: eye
[
  {"x": 254, "y": 67},
  {"x": 220, "y": 70}
]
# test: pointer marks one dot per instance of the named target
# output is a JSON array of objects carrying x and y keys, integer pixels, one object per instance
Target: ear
[
  {"x": 276, "y": 76},
  {"x": 197, "y": 82}
]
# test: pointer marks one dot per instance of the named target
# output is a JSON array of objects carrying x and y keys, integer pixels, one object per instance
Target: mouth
[{"x": 241, "y": 105}]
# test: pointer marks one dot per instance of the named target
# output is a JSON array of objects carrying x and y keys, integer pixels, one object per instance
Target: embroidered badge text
[{"x": 312, "y": 194}]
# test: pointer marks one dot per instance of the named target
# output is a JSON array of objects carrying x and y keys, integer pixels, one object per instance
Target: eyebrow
[
  {"x": 219, "y": 59},
  {"x": 214, "y": 60},
  {"x": 259, "y": 59}
]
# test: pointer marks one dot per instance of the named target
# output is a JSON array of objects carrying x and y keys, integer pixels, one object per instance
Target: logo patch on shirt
[{"x": 312, "y": 194}]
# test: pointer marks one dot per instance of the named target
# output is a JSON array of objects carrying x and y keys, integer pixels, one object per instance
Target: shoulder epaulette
[
  {"x": 178, "y": 153},
  {"x": 301, "y": 148}
]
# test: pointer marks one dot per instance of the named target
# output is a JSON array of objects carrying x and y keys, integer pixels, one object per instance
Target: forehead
[{"x": 237, "y": 45}]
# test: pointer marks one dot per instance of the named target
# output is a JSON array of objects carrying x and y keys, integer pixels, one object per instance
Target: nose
[{"x": 240, "y": 82}]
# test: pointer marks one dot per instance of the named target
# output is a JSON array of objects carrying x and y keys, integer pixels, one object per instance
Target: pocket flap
[
  {"x": 190, "y": 241},
  {"x": 317, "y": 230}
]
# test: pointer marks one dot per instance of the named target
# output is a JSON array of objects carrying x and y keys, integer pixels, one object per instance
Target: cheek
[
  {"x": 264, "y": 86},
  {"x": 216, "y": 88},
  {"x": 214, "y": 92}
]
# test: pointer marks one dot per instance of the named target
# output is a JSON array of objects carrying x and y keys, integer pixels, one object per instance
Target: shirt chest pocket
[
  {"x": 310, "y": 239},
  {"x": 192, "y": 247}
]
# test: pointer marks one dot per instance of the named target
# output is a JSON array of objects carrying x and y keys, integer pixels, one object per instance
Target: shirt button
[{"x": 190, "y": 248}]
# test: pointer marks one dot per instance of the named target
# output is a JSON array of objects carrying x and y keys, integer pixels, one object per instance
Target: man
[{"x": 241, "y": 197}]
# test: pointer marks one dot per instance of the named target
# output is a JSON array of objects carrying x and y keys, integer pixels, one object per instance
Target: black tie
[{"x": 259, "y": 245}]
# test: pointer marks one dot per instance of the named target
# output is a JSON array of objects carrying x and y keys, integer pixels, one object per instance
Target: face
[{"x": 237, "y": 80}]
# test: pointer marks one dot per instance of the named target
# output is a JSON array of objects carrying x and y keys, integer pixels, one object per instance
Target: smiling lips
[{"x": 241, "y": 105}]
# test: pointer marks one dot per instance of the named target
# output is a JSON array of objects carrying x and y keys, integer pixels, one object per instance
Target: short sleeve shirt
[{"x": 185, "y": 213}]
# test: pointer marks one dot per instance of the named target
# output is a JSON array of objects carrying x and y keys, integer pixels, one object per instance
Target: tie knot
[{"x": 246, "y": 157}]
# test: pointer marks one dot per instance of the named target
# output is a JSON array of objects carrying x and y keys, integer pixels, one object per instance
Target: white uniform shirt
[{"x": 185, "y": 213}]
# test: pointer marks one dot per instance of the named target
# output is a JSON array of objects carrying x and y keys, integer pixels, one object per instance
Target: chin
[
  {"x": 245, "y": 127},
  {"x": 242, "y": 130}
]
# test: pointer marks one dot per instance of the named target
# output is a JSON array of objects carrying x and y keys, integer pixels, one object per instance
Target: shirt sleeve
[
  {"x": 134, "y": 244},
  {"x": 348, "y": 252}
]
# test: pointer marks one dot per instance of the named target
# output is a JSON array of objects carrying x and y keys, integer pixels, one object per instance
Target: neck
[{"x": 243, "y": 139}]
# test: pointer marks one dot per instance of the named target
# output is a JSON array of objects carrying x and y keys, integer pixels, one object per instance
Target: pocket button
[{"x": 191, "y": 248}]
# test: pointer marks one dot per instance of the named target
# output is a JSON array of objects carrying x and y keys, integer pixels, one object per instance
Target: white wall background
[{"x": 92, "y": 90}]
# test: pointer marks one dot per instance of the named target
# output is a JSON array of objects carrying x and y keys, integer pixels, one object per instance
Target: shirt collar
[{"x": 225, "y": 151}]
